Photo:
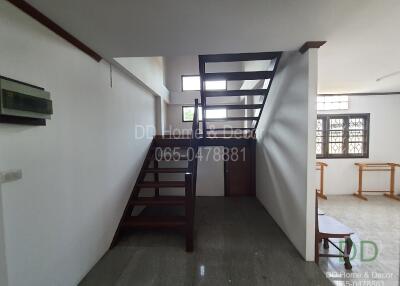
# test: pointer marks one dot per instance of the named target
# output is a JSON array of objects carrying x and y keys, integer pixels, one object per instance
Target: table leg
[
  {"x": 360, "y": 184},
  {"x": 391, "y": 193}
]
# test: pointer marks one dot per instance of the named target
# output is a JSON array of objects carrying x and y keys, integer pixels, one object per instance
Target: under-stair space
[
  {"x": 167, "y": 181},
  {"x": 165, "y": 190}
]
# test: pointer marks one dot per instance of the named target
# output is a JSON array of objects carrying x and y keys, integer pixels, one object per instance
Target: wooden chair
[{"x": 326, "y": 228}]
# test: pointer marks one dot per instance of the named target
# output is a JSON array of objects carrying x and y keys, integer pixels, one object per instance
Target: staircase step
[
  {"x": 166, "y": 170},
  {"x": 238, "y": 75},
  {"x": 234, "y": 106},
  {"x": 229, "y": 129},
  {"x": 241, "y": 92},
  {"x": 163, "y": 184},
  {"x": 231, "y": 119},
  {"x": 173, "y": 142},
  {"x": 169, "y": 157},
  {"x": 154, "y": 221},
  {"x": 159, "y": 201},
  {"x": 239, "y": 57}
]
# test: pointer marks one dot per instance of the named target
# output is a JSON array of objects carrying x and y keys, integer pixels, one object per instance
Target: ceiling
[{"x": 363, "y": 37}]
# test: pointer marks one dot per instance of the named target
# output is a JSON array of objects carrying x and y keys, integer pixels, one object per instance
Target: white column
[{"x": 312, "y": 55}]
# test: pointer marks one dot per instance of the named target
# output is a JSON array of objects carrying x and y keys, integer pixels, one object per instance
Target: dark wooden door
[{"x": 239, "y": 172}]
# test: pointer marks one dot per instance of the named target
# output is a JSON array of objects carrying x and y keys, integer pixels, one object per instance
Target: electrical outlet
[{"x": 10, "y": 176}]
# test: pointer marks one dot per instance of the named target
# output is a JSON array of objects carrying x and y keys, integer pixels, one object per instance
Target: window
[
  {"x": 192, "y": 83},
  {"x": 188, "y": 112},
  {"x": 332, "y": 102},
  {"x": 342, "y": 136}
]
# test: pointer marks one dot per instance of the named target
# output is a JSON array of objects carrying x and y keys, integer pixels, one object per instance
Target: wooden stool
[
  {"x": 320, "y": 166},
  {"x": 380, "y": 167}
]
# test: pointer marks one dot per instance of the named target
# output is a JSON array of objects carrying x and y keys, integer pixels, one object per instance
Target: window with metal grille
[{"x": 342, "y": 136}]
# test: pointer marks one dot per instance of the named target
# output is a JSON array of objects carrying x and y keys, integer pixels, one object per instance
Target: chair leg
[
  {"x": 326, "y": 244},
  {"x": 316, "y": 250},
  {"x": 347, "y": 251}
]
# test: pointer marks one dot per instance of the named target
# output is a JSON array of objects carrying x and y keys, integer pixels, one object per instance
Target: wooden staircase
[
  {"x": 160, "y": 161},
  {"x": 264, "y": 77},
  {"x": 165, "y": 151}
]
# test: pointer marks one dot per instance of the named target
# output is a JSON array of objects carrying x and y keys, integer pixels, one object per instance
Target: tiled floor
[
  {"x": 237, "y": 243},
  {"x": 376, "y": 221}
]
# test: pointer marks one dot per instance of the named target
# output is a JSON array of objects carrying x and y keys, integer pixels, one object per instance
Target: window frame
[
  {"x": 325, "y": 137},
  {"x": 192, "y": 75},
  {"x": 188, "y": 75},
  {"x": 183, "y": 119}
]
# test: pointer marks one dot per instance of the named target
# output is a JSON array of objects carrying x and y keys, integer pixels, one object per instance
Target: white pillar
[{"x": 312, "y": 55}]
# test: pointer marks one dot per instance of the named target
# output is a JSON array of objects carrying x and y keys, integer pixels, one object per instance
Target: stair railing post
[
  {"x": 189, "y": 211},
  {"x": 202, "y": 70},
  {"x": 156, "y": 179}
]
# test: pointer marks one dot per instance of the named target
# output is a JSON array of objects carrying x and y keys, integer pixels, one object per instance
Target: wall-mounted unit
[{"x": 22, "y": 103}]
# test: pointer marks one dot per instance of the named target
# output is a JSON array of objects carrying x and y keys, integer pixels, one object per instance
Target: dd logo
[{"x": 368, "y": 250}]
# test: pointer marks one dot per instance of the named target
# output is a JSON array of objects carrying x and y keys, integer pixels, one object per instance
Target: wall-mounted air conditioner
[{"x": 23, "y": 102}]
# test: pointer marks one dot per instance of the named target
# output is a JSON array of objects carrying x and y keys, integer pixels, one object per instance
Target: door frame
[{"x": 252, "y": 157}]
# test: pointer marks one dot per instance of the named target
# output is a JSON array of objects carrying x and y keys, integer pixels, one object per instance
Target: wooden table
[
  {"x": 320, "y": 166},
  {"x": 377, "y": 167}
]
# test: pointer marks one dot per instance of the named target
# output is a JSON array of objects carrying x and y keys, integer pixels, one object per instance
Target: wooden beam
[
  {"x": 240, "y": 92},
  {"x": 231, "y": 119},
  {"x": 239, "y": 57},
  {"x": 229, "y": 129},
  {"x": 234, "y": 106},
  {"x": 51, "y": 25},
  {"x": 311, "y": 45},
  {"x": 238, "y": 75}
]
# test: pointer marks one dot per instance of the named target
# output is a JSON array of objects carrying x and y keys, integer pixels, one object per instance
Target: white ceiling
[{"x": 363, "y": 35}]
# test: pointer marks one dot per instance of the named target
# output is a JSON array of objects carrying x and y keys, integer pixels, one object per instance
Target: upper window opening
[
  {"x": 190, "y": 82},
  {"x": 332, "y": 102}
]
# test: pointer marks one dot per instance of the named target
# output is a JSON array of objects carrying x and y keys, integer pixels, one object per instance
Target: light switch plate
[{"x": 10, "y": 176}]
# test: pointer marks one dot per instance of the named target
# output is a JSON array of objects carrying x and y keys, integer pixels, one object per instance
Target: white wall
[
  {"x": 210, "y": 173},
  {"x": 148, "y": 70},
  {"x": 188, "y": 65},
  {"x": 285, "y": 137},
  {"x": 3, "y": 263},
  {"x": 341, "y": 174},
  {"x": 78, "y": 170}
]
